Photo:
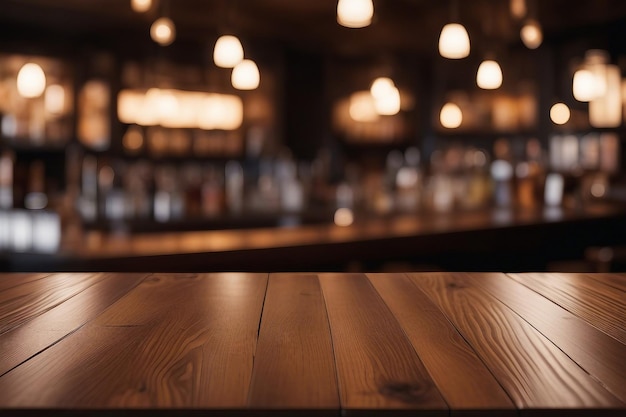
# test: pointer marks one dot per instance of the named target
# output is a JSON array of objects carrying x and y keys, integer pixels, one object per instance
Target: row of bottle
[{"x": 456, "y": 177}]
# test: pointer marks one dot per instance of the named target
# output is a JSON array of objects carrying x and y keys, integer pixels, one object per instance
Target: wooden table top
[{"x": 420, "y": 344}]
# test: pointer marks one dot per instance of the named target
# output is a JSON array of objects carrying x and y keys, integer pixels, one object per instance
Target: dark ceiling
[{"x": 399, "y": 25}]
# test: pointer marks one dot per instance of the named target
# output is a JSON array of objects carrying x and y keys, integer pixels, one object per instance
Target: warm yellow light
[
  {"x": 163, "y": 31},
  {"x": 180, "y": 109},
  {"x": 606, "y": 109},
  {"x": 245, "y": 75},
  {"x": 228, "y": 51},
  {"x": 489, "y": 75},
  {"x": 355, "y": 13},
  {"x": 31, "y": 81},
  {"x": 140, "y": 6},
  {"x": 584, "y": 85},
  {"x": 531, "y": 34},
  {"x": 54, "y": 99},
  {"x": 388, "y": 104},
  {"x": 129, "y": 105},
  {"x": 343, "y": 217},
  {"x": 381, "y": 86},
  {"x": 220, "y": 112},
  {"x": 559, "y": 113},
  {"x": 454, "y": 41},
  {"x": 362, "y": 107},
  {"x": 451, "y": 116},
  {"x": 133, "y": 138},
  {"x": 518, "y": 8}
]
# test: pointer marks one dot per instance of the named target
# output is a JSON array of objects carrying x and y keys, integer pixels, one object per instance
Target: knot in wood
[{"x": 404, "y": 391}]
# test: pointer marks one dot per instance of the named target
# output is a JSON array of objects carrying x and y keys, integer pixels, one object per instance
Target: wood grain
[
  {"x": 535, "y": 373},
  {"x": 594, "y": 351},
  {"x": 294, "y": 350},
  {"x": 174, "y": 341},
  {"x": 8, "y": 280},
  {"x": 617, "y": 281},
  {"x": 377, "y": 367},
  {"x": 601, "y": 305},
  {"x": 20, "y": 303},
  {"x": 463, "y": 380},
  {"x": 20, "y": 343}
]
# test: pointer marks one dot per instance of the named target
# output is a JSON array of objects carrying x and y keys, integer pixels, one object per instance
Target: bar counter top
[
  {"x": 419, "y": 344},
  {"x": 517, "y": 237}
]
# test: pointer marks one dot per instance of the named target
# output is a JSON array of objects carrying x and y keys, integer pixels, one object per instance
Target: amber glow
[
  {"x": 450, "y": 116},
  {"x": 228, "y": 51},
  {"x": 163, "y": 31},
  {"x": 559, "y": 113},
  {"x": 355, "y": 13},
  {"x": 180, "y": 109},
  {"x": 31, "y": 81},
  {"x": 454, "y": 41}
]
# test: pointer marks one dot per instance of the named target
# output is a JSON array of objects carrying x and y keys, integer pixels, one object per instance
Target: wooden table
[{"x": 420, "y": 344}]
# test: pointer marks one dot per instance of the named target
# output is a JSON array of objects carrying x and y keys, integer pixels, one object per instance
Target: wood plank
[
  {"x": 535, "y": 373},
  {"x": 174, "y": 341},
  {"x": 377, "y": 368},
  {"x": 294, "y": 366},
  {"x": 13, "y": 279},
  {"x": 462, "y": 378},
  {"x": 601, "y": 305},
  {"x": 617, "y": 281},
  {"x": 42, "y": 331},
  {"x": 21, "y": 303},
  {"x": 594, "y": 351}
]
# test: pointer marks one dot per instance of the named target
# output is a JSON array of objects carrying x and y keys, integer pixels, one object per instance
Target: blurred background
[{"x": 197, "y": 135}]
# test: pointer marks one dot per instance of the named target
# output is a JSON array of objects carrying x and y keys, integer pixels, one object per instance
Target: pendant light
[
  {"x": 381, "y": 86},
  {"x": 228, "y": 51},
  {"x": 386, "y": 96},
  {"x": 245, "y": 75},
  {"x": 140, "y": 6},
  {"x": 31, "y": 81},
  {"x": 454, "y": 41},
  {"x": 163, "y": 31},
  {"x": 489, "y": 75},
  {"x": 451, "y": 116},
  {"x": 362, "y": 107},
  {"x": 531, "y": 34},
  {"x": 584, "y": 85},
  {"x": 559, "y": 113},
  {"x": 355, "y": 13}
]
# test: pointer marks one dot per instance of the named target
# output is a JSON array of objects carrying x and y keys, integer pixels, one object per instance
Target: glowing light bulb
[
  {"x": 355, "y": 13},
  {"x": 140, "y": 6},
  {"x": 31, "y": 81},
  {"x": 54, "y": 99},
  {"x": 362, "y": 107},
  {"x": 454, "y": 41},
  {"x": 163, "y": 31},
  {"x": 518, "y": 8},
  {"x": 228, "y": 51},
  {"x": 451, "y": 116},
  {"x": 584, "y": 85},
  {"x": 343, "y": 217},
  {"x": 388, "y": 104},
  {"x": 245, "y": 75},
  {"x": 531, "y": 34},
  {"x": 489, "y": 75},
  {"x": 381, "y": 86},
  {"x": 559, "y": 113}
]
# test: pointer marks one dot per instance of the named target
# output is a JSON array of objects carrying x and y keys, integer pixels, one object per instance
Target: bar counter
[
  {"x": 420, "y": 344},
  {"x": 504, "y": 239}
]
